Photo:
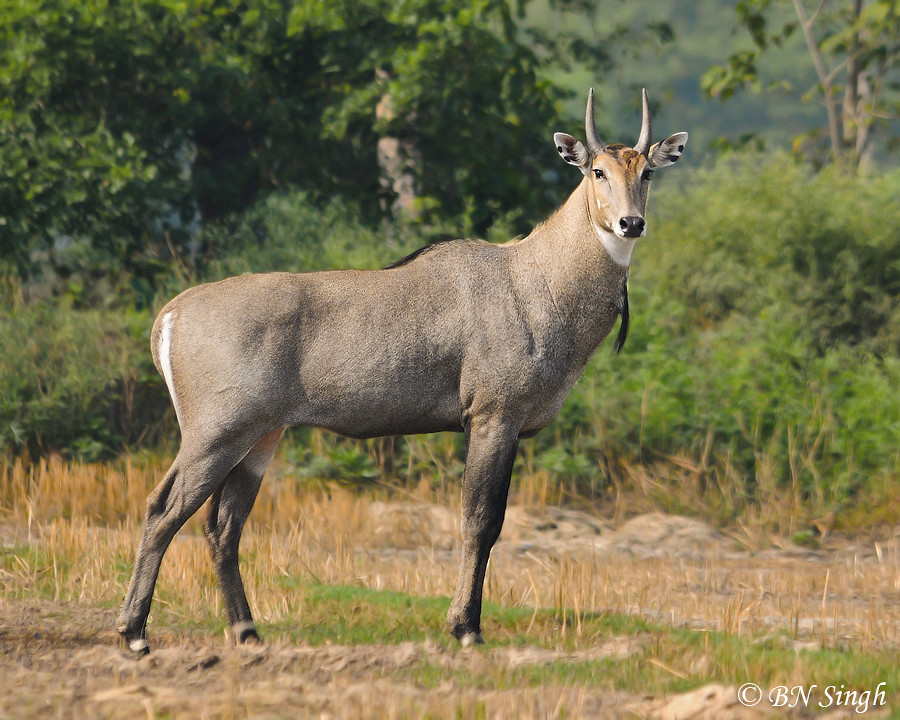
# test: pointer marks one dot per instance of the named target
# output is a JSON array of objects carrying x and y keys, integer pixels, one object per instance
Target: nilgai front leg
[{"x": 485, "y": 486}]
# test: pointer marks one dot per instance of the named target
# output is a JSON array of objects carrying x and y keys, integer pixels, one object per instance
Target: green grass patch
[
  {"x": 351, "y": 615},
  {"x": 358, "y": 616},
  {"x": 661, "y": 658}
]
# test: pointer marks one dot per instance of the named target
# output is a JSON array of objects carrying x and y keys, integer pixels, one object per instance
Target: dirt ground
[{"x": 63, "y": 660}]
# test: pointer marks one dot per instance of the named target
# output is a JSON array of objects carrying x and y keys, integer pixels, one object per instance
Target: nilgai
[{"x": 464, "y": 336}]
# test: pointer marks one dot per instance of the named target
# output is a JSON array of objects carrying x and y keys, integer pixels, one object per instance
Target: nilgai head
[{"x": 618, "y": 177}]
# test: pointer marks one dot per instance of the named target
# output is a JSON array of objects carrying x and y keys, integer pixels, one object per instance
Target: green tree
[
  {"x": 124, "y": 126},
  {"x": 853, "y": 47}
]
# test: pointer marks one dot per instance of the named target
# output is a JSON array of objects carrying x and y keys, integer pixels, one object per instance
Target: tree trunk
[
  {"x": 858, "y": 96},
  {"x": 397, "y": 160},
  {"x": 831, "y": 103}
]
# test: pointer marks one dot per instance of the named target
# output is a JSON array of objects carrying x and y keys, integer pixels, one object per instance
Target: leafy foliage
[
  {"x": 821, "y": 251},
  {"x": 763, "y": 342},
  {"x": 852, "y": 46},
  {"x": 763, "y": 349},
  {"x": 159, "y": 143},
  {"x": 123, "y": 126},
  {"x": 80, "y": 383}
]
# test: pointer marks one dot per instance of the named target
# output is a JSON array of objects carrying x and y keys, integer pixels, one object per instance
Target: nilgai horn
[{"x": 463, "y": 335}]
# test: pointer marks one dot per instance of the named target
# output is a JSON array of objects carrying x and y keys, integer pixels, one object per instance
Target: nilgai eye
[{"x": 599, "y": 174}]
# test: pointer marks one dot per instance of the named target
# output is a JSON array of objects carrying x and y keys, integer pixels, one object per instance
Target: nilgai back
[{"x": 462, "y": 336}]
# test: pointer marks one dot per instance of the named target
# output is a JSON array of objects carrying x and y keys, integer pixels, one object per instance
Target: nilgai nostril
[
  {"x": 632, "y": 226},
  {"x": 461, "y": 336}
]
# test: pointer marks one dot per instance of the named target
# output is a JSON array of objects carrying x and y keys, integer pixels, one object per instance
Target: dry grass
[
  {"x": 68, "y": 534},
  {"x": 86, "y": 519}
]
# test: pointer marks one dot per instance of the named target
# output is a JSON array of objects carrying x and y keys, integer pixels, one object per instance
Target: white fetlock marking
[
  {"x": 139, "y": 645},
  {"x": 240, "y": 628},
  {"x": 470, "y": 639}
]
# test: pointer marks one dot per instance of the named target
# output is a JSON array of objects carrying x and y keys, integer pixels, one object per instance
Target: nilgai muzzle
[{"x": 463, "y": 335}]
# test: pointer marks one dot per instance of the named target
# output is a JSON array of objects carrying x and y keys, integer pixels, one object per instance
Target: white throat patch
[{"x": 619, "y": 248}]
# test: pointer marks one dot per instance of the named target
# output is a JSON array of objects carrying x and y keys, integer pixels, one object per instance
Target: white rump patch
[{"x": 165, "y": 360}]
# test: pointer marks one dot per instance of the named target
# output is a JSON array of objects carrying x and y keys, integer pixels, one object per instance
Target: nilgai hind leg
[
  {"x": 228, "y": 510},
  {"x": 231, "y": 473}
]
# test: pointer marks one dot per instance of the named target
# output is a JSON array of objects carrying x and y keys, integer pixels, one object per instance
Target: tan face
[
  {"x": 618, "y": 183},
  {"x": 617, "y": 178}
]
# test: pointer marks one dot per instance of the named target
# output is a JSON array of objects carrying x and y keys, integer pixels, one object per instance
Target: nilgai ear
[
  {"x": 573, "y": 151},
  {"x": 668, "y": 151}
]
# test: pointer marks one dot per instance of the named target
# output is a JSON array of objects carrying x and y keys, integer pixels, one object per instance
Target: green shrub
[
  {"x": 80, "y": 383},
  {"x": 763, "y": 347},
  {"x": 288, "y": 232},
  {"x": 756, "y": 234},
  {"x": 764, "y": 336}
]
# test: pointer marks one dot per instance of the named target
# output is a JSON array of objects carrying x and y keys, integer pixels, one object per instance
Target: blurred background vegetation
[{"x": 148, "y": 145}]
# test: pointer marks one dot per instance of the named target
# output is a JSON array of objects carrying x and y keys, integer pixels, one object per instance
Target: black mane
[{"x": 413, "y": 255}]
